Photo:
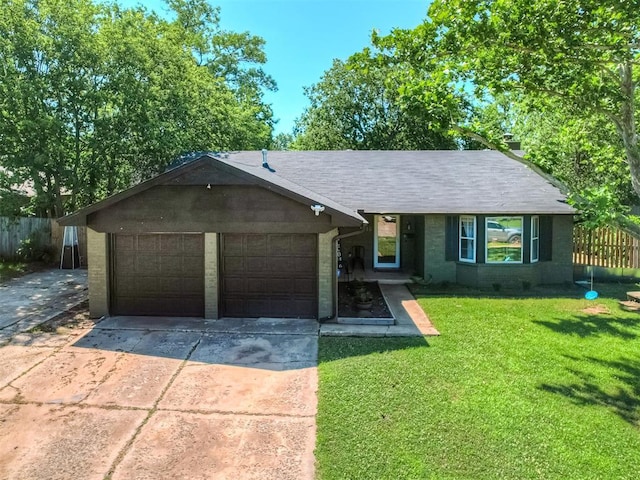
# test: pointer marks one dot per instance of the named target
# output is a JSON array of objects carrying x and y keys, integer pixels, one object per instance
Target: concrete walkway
[
  {"x": 411, "y": 321},
  {"x": 37, "y": 297}
]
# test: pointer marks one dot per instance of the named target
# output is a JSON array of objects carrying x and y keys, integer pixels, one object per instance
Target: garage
[
  {"x": 269, "y": 275},
  {"x": 158, "y": 274}
]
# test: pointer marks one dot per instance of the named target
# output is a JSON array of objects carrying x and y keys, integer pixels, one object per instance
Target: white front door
[{"x": 386, "y": 241}]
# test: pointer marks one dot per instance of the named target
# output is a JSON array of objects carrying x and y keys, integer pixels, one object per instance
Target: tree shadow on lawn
[
  {"x": 594, "y": 325},
  {"x": 337, "y": 348},
  {"x": 624, "y": 401}
]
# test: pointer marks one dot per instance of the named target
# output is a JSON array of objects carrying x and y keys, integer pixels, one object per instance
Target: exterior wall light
[{"x": 317, "y": 209}]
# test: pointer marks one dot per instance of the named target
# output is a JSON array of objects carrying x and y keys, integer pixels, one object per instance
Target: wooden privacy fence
[
  {"x": 605, "y": 247},
  {"x": 13, "y": 231}
]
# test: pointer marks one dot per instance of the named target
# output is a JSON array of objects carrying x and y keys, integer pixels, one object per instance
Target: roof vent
[{"x": 265, "y": 164}]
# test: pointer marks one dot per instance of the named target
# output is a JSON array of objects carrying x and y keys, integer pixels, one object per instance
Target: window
[
  {"x": 504, "y": 240},
  {"x": 535, "y": 239},
  {"x": 467, "y": 239}
]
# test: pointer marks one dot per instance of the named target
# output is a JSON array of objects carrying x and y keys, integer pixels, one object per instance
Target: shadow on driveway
[{"x": 271, "y": 344}]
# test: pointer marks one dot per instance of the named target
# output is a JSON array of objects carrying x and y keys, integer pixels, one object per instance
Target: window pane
[
  {"x": 504, "y": 239},
  {"x": 535, "y": 248},
  {"x": 387, "y": 229},
  {"x": 467, "y": 239},
  {"x": 535, "y": 238},
  {"x": 466, "y": 248}
]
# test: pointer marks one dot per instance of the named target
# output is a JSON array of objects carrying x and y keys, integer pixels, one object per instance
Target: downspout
[{"x": 334, "y": 275}]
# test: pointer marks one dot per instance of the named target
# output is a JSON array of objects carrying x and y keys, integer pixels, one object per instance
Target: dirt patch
[
  {"x": 74, "y": 318},
  {"x": 347, "y": 302},
  {"x": 596, "y": 310}
]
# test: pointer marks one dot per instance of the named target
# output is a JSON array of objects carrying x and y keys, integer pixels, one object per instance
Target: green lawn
[{"x": 515, "y": 388}]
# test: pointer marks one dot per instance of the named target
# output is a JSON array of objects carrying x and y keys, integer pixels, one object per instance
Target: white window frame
[
  {"x": 467, "y": 218},
  {"x": 535, "y": 236},
  {"x": 486, "y": 241},
  {"x": 376, "y": 263}
]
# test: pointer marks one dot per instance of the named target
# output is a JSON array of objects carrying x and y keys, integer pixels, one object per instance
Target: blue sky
[{"x": 304, "y": 36}]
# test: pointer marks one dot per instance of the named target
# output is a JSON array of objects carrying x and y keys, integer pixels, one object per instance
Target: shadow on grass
[
  {"x": 615, "y": 291},
  {"x": 337, "y": 348},
  {"x": 594, "y": 325},
  {"x": 623, "y": 399}
]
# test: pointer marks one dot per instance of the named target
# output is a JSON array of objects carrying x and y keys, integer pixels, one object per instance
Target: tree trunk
[{"x": 627, "y": 127}]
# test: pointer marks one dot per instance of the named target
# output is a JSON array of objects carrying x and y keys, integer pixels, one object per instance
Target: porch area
[{"x": 389, "y": 277}]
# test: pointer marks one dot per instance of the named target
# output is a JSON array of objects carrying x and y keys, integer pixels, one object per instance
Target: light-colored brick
[
  {"x": 98, "y": 274},
  {"x": 211, "y": 275},
  {"x": 326, "y": 273}
]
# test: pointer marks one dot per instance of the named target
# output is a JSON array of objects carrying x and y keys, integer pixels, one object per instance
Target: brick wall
[
  {"x": 211, "y": 275},
  {"x": 98, "y": 273},
  {"x": 560, "y": 268},
  {"x": 326, "y": 274},
  {"x": 435, "y": 266}
]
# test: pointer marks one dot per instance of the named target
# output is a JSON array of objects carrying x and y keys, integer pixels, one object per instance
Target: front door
[{"x": 386, "y": 241}]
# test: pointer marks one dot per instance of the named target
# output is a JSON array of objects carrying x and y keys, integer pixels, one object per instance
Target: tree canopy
[
  {"x": 355, "y": 105},
  {"x": 94, "y": 96},
  {"x": 573, "y": 62}
]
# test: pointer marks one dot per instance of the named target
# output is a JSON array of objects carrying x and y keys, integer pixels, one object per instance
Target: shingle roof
[{"x": 467, "y": 181}]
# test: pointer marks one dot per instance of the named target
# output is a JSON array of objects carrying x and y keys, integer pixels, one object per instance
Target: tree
[
  {"x": 578, "y": 54},
  {"x": 356, "y": 106},
  {"x": 94, "y": 97},
  {"x": 282, "y": 141}
]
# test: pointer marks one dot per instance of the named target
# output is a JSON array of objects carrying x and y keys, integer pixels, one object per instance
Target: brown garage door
[
  {"x": 158, "y": 274},
  {"x": 273, "y": 275}
]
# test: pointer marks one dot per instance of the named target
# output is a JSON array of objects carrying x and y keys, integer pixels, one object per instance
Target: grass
[
  {"x": 514, "y": 388},
  {"x": 10, "y": 269}
]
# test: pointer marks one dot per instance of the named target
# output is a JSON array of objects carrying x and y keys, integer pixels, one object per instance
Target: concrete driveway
[
  {"x": 36, "y": 297},
  {"x": 161, "y": 398}
]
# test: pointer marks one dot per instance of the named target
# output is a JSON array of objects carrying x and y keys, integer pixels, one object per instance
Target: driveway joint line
[
  {"x": 53, "y": 352},
  {"x": 73, "y": 404},
  {"x": 235, "y": 412},
  {"x": 127, "y": 446}
]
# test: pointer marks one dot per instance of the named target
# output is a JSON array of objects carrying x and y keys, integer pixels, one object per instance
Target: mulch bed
[{"x": 347, "y": 302}]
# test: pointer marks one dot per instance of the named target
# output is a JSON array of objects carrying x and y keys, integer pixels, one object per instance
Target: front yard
[{"x": 520, "y": 388}]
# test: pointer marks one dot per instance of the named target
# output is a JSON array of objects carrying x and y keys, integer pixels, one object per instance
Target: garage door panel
[
  {"x": 304, "y": 246},
  {"x": 192, "y": 244},
  {"x": 125, "y": 264},
  {"x": 304, "y": 264},
  {"x": 304, "y": 304},
  {"x": 154, "y": 275},
  {"x": 281, "y": 264},
  {"x": 275, "y": 275},
  {"x": 281, "y": 286},
  {"x": 233, "y": 265},
  {"x": 148, "y": 243},
  {"x": 147, "y": 264},
  {"x": 255, "y": 245},
  {"x": 256, "y": 286},
  {"x": 305, "y": 286},
  {"x": 170, "y": 244},
  {"x": 234, "y": 286},
  {"x": 171, "y": 265},
  {"x": 256, "y": 307},
  {"x": 280, "y": 245},
  {"x": 125, "y": 243},
  {"x": 256, "y": 264},
  {"x": 234, "y": 307},
  {"x": 232, "y": 244},
  {"x": 193, "y": 266}
]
